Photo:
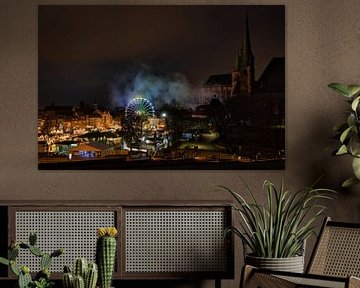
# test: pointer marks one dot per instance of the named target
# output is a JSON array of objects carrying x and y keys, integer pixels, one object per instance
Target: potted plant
[
  {"x": 84, "y": 274},
  {"x": 106, "y": 254},
  {"x": 276, "y": 233},
  {"x": 349, "y": 132},
  {"x": 42, "y": 278}
]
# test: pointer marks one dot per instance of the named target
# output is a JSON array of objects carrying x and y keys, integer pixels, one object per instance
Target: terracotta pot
[{"x": 291, "y": 264}]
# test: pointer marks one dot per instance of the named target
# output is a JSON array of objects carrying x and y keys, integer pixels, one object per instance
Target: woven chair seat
[
  {"x": 314, "y": 282},
  {"x": 335, "y": 262}
]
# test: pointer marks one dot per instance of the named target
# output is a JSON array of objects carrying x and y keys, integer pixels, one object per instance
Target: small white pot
[{"x": 291, "y": 264}]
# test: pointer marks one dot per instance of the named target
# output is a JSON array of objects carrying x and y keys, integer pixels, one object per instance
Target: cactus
[
  {"x": 44, "y": 273},
  {"x": 42, "y": 278},
  {"x": 45, "y": 261},
  {"x": 57, "y": 253},
  {"x": 79, "y": 282},
  {"x": 67, "y": 269},
  {"x": 24, "y": 280},
  {"x": 24, "y": 245},
  {"x": 32, "y": 238},
  {"x": 91, "y": 276},
  {"x": 106, "y": 254},
  {"x": 14, "y": 268},
  {"x": 68, "y": 280},
  {"x": 4, "y": 261},
  {"x": 81, "y": 265},
  {"x": 13, "y": 253},
  {"x": 36, "y": 251},
  {"x": 87, "y": 272}
]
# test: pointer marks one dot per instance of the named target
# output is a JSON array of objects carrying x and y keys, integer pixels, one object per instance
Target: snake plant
[{"x": 279, "y": 228}]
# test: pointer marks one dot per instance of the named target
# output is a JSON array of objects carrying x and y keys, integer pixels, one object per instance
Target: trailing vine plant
[{"x": 349, "y": 131}]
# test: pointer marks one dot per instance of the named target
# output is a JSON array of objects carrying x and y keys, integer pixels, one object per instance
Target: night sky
[{"x": 93, "y": 53}]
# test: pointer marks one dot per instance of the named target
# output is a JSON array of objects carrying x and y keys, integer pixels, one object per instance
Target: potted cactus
[
  {"x": 42, "y": 278},
  {"x": 85, "y": 275},
  {"x": 106, "y": 254}
]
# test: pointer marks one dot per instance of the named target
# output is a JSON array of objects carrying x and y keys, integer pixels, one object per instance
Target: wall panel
[{"x": 322, "y": 40}]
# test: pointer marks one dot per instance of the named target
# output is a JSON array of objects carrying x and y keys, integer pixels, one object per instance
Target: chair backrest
[{"x": 337, "y": 251}]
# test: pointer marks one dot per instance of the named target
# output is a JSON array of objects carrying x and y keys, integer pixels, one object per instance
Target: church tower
[{"x": 243, "y": 75}]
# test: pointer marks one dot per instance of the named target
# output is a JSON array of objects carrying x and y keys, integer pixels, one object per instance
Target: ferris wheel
[{"x": 139, "y": 108}]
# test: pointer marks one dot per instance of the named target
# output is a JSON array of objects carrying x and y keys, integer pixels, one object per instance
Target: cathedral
[
  {"x": 253, "y": 110},
  {"x": 239, "y": 82},
  {"x": 269, "y": 89}
]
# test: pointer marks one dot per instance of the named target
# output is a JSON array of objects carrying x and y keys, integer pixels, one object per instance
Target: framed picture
[{"x": 161, "y": 87}]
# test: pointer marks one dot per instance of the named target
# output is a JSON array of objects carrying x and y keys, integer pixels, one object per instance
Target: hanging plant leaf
[
  {"x": 353, "y": 89},
  {"x": 340, "y": 88},
  {"x": 349, "y": 182},
  {"x": 356, "y": 167},
  {"x": 355, "y": 103},
  {"x": 354, "y": 145},
  {"x": 348, "y": 134},
  {"x": 342, "y": 150},
  {"x": 345, "y": 134},
  {"x": 351, "y": 120}
]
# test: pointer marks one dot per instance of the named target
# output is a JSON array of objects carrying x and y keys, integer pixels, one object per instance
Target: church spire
[
  {"x": 238, "y": 59},
  {"x": 248, "y": 55},
  {"x": 244, "y": 57},
  {"x": 243, "y": 75}
]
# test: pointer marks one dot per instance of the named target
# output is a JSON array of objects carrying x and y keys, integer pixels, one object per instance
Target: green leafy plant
[
  {"x": 43, "y": 283},
  {"x": 279, "y": 229},
  {"x": 349, "y": 132},
  {"x": 42, "y": 278}
]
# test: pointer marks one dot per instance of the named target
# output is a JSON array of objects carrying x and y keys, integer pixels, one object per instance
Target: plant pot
[{"x": 291, "y": 264}]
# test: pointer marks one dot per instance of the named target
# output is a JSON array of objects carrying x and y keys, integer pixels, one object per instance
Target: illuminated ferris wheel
[{"x": 139, "y": 108}]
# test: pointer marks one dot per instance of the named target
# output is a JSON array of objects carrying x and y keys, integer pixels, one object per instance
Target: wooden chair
[{"x": 334, "y": 263}]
